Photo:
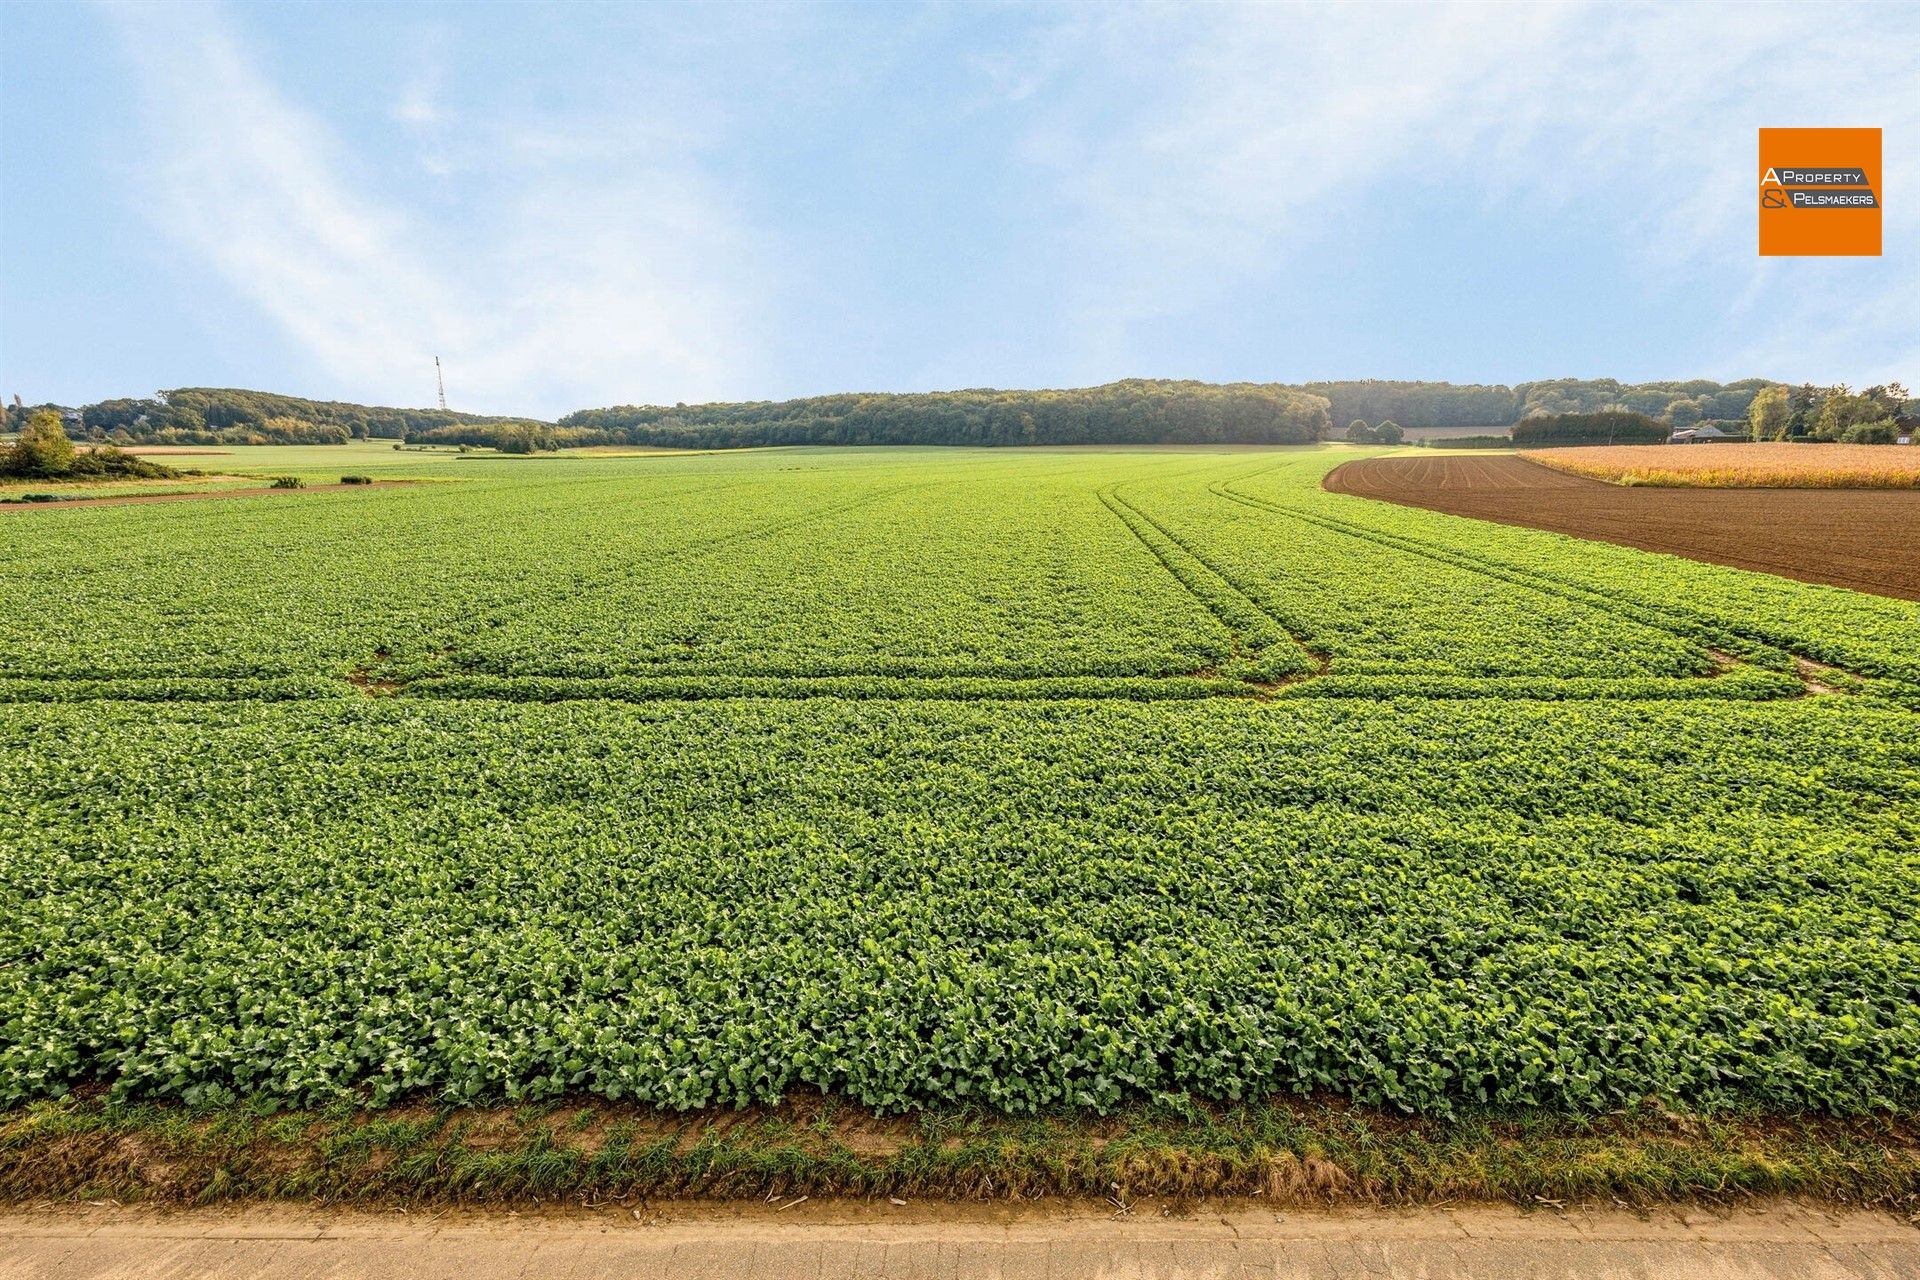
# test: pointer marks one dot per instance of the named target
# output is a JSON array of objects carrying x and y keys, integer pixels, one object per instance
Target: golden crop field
[{"x": 1743, "y": 466}]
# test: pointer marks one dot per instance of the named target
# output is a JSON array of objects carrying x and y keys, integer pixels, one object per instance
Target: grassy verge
[{"x": 1290, "y": 1152}]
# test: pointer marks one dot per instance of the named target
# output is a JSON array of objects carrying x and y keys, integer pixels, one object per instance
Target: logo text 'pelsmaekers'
[{"x": 1788, "y": 187}]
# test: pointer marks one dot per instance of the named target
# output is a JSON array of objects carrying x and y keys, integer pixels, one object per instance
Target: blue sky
[{"x": 580, "y": 205}]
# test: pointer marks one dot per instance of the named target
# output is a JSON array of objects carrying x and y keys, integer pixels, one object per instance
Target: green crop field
[{"x": 1026, "y": 778}]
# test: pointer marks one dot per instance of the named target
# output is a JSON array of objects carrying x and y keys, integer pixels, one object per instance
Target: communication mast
[{"x": 440, "y": 381}]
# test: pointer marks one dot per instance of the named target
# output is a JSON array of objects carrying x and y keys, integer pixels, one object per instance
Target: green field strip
[
  {"x": 1119, "y": 668},
  {"x": 1277, "y": 649},
  {"x": 1421, "y": 906},
  {"x": 295, "y": 531},
  {"x": 1680, "y": 625},
  {"x": 1752, "y": 644},
  {"x": 908, "y": 781},
  {"x": 1743, "y": 684},
  {"x": 1693, "y": 627},
  {"x": 813, "y": 516},
  {"x": 172, "y": 689},
  {"x": 854, "y": 688},
  {"x": 699, "y": 547},
  {"x": 972, "y": 600}
]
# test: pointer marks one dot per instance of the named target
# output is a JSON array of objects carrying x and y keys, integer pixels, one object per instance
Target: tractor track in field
[
  {"x": 1678, "y": 623},
  {"x": 1231, "y": 604}
]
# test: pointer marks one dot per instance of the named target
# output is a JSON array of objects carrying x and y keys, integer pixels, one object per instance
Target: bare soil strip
[
  {"x": 1864, "y": 540},
  {"x": 906, "y": 1241},
  {"x": 132, "y": 499}
]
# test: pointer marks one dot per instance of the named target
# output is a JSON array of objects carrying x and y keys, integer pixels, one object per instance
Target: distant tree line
[
  {"x": 1678, "y": 404},
  {"x": 1132, "y": 412},
  {"x": 1137, "y": 411},
  {"x": 1446, "y": 404},
  {"x": 1501, "y": 441},
  {"x": 1604, "y": 426},
  {"x": 1418, "y": 404},
  {"x": 1759, "y": 407},
  {"x": 1878, "y": 415},
  {"x": 213, "y": 415}
]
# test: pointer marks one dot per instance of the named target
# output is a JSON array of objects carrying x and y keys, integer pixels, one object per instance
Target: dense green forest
[
  {"x": 1132, "y": 412},
  {"x": 1141, "y": 411},
  {"x": 1136, "y": 411},
  {"x": 1679, "y": 404},
  {"x": 1418, "y": 404}
]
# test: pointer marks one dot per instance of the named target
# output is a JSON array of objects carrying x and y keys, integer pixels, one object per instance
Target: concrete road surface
[{"x": 824, "y": 1241}]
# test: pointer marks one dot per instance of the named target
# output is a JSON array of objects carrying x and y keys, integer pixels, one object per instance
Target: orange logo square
[{"x": 1819, "y": 193}]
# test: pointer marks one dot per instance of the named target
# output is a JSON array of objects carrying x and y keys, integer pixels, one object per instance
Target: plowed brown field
[{"x": 1865, "y": 540}]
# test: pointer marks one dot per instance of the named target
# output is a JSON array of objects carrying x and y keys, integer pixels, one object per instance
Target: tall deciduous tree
[
  {"x": 43, "y": 448},
  {"x": 1769, "y": 414},
  {"x": 1683, "y": 413},
  {"x": 1842, "y": 412}
]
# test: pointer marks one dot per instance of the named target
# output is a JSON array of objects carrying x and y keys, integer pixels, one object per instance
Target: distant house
[{"x": 1698, "y": 435}]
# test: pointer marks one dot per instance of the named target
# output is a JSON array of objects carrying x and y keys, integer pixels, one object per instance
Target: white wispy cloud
[
  {"x": 1204, "y": 145},
  {"x": 421, "y": 110},
  {"x": 577, "y": 284},
  {"x": 562, "y": 257}
]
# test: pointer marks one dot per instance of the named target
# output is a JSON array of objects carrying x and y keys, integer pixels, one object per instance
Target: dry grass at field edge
[
  {"x": 1740, "y": 466},
  {"x": 196, "y": 495},
  {"x": 1286, "y": 1152}
]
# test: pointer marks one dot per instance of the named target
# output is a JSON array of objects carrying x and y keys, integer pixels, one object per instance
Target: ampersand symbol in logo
[{"x": 1772, "y": 198}]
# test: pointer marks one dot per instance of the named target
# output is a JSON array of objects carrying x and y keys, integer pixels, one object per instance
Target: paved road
[{"x": 827, "y": 1241}]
